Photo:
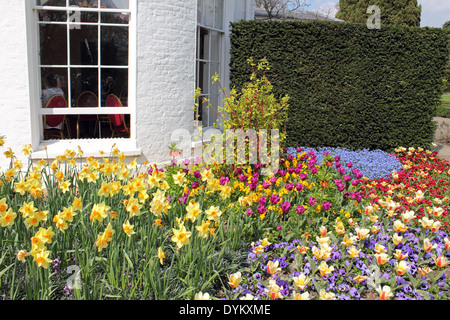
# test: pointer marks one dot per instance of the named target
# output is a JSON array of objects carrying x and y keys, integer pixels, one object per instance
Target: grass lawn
[{"x": 444, "y": 109}]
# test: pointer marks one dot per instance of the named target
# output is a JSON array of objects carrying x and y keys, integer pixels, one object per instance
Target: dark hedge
[{"x": 349, "y": 86}]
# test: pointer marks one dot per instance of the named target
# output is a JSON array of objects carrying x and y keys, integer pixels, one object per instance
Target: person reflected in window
[
  {"x": 107, "y": 89},
  {"x": 52, "y": 88}
]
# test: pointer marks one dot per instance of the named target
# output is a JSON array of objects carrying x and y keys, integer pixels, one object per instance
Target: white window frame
[{"x": 51, "y": 148}]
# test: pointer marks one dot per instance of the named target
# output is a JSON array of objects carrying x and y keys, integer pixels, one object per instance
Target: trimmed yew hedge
[{"x": 349, "y": 86}]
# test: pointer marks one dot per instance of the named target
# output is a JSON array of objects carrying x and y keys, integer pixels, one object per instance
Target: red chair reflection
[
  {"x": 116, "y": 121},
  {"x": 87, "y": 99},
  {"x": 54, "y": 124}
]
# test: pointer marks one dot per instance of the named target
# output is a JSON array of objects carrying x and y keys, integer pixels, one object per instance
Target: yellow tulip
[{"x": 234, "y": 280}]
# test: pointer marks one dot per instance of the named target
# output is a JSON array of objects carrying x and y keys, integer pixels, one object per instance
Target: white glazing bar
[
  {"x": 69, "y": 78},
  {"x": 87, "y": 111},
  {"x": 81, "y": 66},
  {"x": 210, "y": 28},
  {"x": 99, "y": 62},
  {"x": 81, "y": 9}
]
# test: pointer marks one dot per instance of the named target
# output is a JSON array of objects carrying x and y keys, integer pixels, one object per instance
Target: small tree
[
  {"x": 280, "y": 9},
  {"x": 253, "y": 108}
]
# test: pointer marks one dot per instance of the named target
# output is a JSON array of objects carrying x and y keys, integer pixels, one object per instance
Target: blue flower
[{"x": 354, "y": 293}]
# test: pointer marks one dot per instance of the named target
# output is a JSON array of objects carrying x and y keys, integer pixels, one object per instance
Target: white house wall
[
  {"x": 165, "y": 73},
  {"x": 14, "y": 92}
]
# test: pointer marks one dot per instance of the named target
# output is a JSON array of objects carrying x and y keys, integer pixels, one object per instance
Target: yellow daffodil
[
  {"x": 133, "y": 207},
  {"x": 21, "y": 255},
  {"x": 203, "y": 229},
  {"x": 193, "y": 211},
  {"x": 213, "y": 213},
  {"x": 161, "y": 255},
  {"x": 99, "y": 212},
  {"x": 128, "y": 228},
  {"x": 105, "y": 190},
  {"x": 181, "y": 236},
  {"x": 41, "y": 258},
  {"x": 7, "y": 218}
]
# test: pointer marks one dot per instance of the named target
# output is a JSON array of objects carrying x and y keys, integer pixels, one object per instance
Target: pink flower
[
  {"x": 326, "y": 205},
  {"x": 312, "y": 201},
  {"x": 262, "y": 200},
  {"x": 261, "y": 209},
  {"x": 285, "y": 206},
  {"x": 274, "y": 199},
  {"x": 300, "y": 209},
  {"x": 299, "y": 186},
  {"x": 265, "y": 184}
]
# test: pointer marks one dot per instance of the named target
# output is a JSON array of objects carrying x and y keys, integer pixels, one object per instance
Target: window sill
[{"x": 90, "y": 148}]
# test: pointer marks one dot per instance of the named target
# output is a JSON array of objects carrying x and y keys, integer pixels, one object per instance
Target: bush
[{"x": 349, "y": 86}]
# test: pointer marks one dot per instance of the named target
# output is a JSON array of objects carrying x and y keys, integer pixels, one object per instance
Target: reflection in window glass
[
  {"x": 83, "y": 79},
  {"x": 115, "y": 81},
  {"x": 114, "y": 44},
  {"x": 53, "y": 44},
  {"x": 84, "y": 3},
  {"x": 51, "y": 15},
  {"x": 53, "y": 3},
  {"x": 119, "y": 4},
  {"x": 53, "y": 81},
  {"x": 119, "y": 18},
  {"x": 83, "y": 45}
]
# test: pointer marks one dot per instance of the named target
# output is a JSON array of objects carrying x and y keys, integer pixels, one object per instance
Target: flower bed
[
  {"x": 137, "y": 232},
  {"x": 373, "y": 164}
]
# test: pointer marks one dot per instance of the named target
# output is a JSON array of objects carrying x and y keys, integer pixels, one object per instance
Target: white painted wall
[
  {"x": 165, "y": 75},
  {"x": 14, "y": 93}
]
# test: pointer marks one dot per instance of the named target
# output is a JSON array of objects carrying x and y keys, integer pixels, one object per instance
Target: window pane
[
  {"x": 53, "y": 3},
  {"x": 83, "y": 79},
  {"x": 83, "y": 45},
  {"x": 84, "y": 3},
  {"x": 50, "y": 15},
  {"x": 114, "y": 44},
  {"x": 115, "y": 81},
  {"x": 204, "y": 44},
  {"x": 208, "y": 13},
  {"x": 120, "y": 18},
  {"x": 219, "y": 14},
  {"x": 119, "y": 4},
  {"x": 215, "y": 46},
  {"x": 53, "y": 81},
  {"x": 203, "y": 76},
  {"x": 53, "y": 44}
]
